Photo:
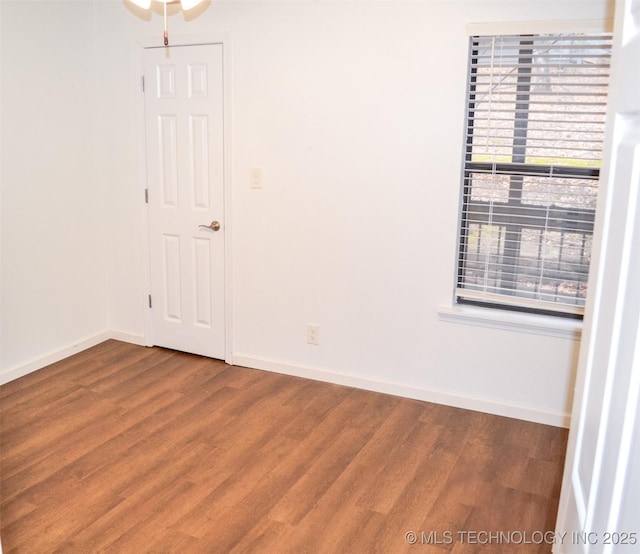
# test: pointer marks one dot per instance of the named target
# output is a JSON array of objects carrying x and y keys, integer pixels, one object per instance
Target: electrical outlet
[{"x": 313, "y": 334}]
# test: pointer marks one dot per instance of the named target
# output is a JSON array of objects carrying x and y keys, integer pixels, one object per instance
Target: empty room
[{"x": 326, "y": 276}]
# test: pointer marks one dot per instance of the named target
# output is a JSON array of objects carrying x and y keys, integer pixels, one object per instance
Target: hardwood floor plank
[
  {"x": 170, "y": 542},
  {"x": 303, "y": 493},
  {"x": 116, "y": 367},
  {"x": 144, "y": 497},
  {"x": 118, "y": 377},
  {"x": 418, "y": 499},
  {"x": 19, "y": 428},
  {"x": 109, "y": 438},
  {"x": 124, "y": 448},
  {"x": 13, "y": 509},
  {"x": 43, "y": 529},
  {"x": 541, "y": 477},
  {"x": 520, "y": 517},
  {"x": 399, "y": 469},
  {"x": 26, "y": 385},
  {"x": 35, "y": 443},
  {"x": 240, "y": 501},
  {"x": 263, "y": 537},
  {"x": 16, "y": 410}
]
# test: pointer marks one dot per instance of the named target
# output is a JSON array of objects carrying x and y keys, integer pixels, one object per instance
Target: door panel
[{"x": 184, "y": 150}]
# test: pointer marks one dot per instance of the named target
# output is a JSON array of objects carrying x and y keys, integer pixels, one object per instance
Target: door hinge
[
  {"x": 150, "y": 303},
  {"x": 146, "y": 196},
  {"x": 142, "y": 83}
]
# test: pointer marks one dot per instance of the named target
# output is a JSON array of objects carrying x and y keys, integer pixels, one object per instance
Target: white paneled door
[
  {"x": 599, "y": 505},
  {"x": 183, "y": 92}
]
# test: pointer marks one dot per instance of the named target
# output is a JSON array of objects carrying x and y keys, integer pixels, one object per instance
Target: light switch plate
[{"x": 255, "y": 178}]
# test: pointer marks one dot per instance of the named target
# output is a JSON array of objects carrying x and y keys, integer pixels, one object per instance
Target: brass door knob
[{"x": 214, "y": 226}]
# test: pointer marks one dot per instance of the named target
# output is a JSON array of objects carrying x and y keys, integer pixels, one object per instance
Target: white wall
[
  {"x": 54, "y": 297},
  {"x": 354, "y": 113}
]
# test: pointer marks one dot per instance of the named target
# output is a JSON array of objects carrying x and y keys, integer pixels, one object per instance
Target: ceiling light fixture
[{"x": 186, "y": 5}]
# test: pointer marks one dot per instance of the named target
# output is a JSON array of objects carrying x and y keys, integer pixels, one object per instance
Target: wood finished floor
[{"x": 128, "y": 449}]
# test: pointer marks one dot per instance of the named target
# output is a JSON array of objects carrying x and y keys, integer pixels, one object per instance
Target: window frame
[{"x": 584, "y": 219}]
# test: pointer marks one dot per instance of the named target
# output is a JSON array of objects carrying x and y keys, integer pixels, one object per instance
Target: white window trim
[
  {"x": 539, "y": 27},
  {"x": 508, "y": 320}
]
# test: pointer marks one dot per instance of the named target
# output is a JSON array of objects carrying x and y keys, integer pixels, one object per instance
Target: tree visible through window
[{"x": 535, "y": 125}]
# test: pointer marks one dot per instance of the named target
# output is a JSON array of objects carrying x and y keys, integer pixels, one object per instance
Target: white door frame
[{"x": 187, "y": 40}]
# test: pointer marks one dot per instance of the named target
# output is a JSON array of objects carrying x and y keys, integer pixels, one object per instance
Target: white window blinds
[{"x": 535, "y": 124}]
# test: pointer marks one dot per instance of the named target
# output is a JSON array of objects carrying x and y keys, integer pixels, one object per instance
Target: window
[{"x": 535, "y": 125}]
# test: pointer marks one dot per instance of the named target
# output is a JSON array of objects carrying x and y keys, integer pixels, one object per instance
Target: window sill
[{"x": 512, "y": 321}]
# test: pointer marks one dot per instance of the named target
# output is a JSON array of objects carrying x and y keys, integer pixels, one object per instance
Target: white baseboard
[
  {"x": 52, "y": 357},
  {"x": 517, "y": 411},
  {"x": 131, "y": 338}
]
